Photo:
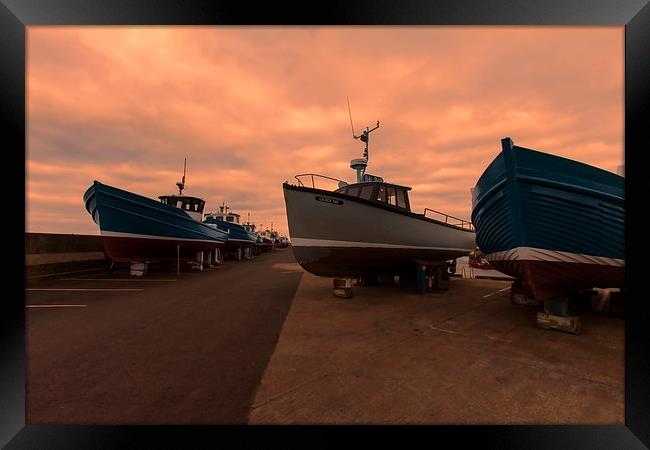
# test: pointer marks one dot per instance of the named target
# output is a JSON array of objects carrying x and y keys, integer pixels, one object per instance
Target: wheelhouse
[
  {"x": 225, "y": 217},
  {"x": 250, "y": 227},
  {"x": 191, "y": 205},
  {"x": 384, "y": 193}
]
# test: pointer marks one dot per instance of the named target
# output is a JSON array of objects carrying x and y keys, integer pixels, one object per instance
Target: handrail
[
  {"x": 312, "y": 175},
  {"x": 461, "y": 223}
]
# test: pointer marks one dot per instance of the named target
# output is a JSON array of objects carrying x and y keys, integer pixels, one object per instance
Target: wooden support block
[
  {"x": 518, "y": 296},
  {"x": 342, "y": 287},
  {"x": 139, "y": 269},
  {"x": 602, "y": 300},
  {"x": 568, "y": 324}
]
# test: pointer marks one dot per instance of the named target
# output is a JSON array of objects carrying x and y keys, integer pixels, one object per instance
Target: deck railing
[
  {"x": 313, "y": 177},
  {"x": 451, "y": 220}
]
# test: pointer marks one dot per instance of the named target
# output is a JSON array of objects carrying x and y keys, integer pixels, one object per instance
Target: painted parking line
[
  {"x": 81, "y": 290},
  {"x": 55, "y": 306},
  {"x": 65, "y": 273},
  {"x": 496, "y": 292},
  {"x": 111, "y": 279}
]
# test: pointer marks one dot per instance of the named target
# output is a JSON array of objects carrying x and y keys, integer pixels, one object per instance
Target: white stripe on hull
[
  {"x": 541, "y": 254},
  {"x": 148, "y": 236},
  {"x": 305, "y": 242},
  {"x": 240, "y": 240}
]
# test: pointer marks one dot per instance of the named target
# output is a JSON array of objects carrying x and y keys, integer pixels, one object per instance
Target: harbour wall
[{"x": 51, "y": 252}]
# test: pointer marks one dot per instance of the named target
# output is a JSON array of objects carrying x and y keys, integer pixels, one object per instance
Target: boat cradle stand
[
  {"x": 204, "y": 260},
  {"x": 432, "y": 276},
  {"x": 342, "y": 287}
]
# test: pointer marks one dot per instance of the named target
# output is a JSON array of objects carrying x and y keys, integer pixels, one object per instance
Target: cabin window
[
  {"x": 353, "y": 191},
  {"x": 229, "y": 219},
  {"x": 366, "y": 192},
  {"x": 392, "y": 199},
  {"x": 381, "y": 194},
  {"x": 401, "y": 199},
  {"x": 187, "y": 206}
]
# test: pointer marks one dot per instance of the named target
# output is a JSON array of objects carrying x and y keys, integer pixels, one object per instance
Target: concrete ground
[
  {"x": 112, "y": 349},
  {"x": 263, "y": 342},
  {"x": 467, "y": 356}
]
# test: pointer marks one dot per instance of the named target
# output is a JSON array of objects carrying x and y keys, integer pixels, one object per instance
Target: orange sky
[{"x": 251, "y": 107}]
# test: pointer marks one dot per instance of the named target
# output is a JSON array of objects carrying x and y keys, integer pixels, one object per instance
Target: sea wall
[{"x": 45, "y": 252}]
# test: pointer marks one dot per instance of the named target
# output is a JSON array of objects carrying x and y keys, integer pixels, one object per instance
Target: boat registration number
[{"x": 333, "y": 201}]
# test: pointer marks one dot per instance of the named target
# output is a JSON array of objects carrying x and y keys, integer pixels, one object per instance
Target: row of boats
[
  {"x": 135, "y": 228},
  {"x": 555, "y": 224}
]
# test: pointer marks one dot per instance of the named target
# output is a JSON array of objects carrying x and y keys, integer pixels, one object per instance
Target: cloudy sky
[{"x": 250, "y": 107}]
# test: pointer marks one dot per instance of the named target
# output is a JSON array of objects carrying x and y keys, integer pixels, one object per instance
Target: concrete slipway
[
  {"x": 389, "y": 355},
  {"x": 263, "y": 342}
]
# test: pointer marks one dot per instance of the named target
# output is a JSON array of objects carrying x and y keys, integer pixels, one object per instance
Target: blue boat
[
  {"x": 135, "y": 228},
  {"x": 556, "y": 224},
  {"x": 240, "y": 240},
  {"x": 259, "y": 240}
]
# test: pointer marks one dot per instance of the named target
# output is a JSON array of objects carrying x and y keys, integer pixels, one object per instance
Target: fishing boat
[
  {"x": 367, "y": 228},
  {"x": 135, "y": 228},
  {"x": 240, "y": 241},
  {"x": 282, "y": 241},
  {"x": 268, "y": 239},
  {"x": 554, "y": 223},
  {"x": 251, "y": 227}
]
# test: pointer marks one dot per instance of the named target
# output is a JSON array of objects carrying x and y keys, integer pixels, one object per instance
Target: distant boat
[
  {"x": 481, "y": 264},
  {"x": 367, "y": 228},
  {"x": 251, "y": 227},
  {"x": 282, "y": 241},
  {"x": 135, "y": 228},
  {"x": 239, "y": 240},
  {"x": 268, "y": 239},
  {"x": 555, "y": 223}
]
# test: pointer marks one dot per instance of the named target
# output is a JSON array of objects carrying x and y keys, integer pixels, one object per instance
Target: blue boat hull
[
  {"x": 555, "y": 223},
  {"x": 238, "y": 237},
  {"x": 134, "y": 228}
]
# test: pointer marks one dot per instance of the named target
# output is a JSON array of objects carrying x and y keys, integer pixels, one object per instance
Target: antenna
[
  {"x": 181, "y": 184},
  {"x": 351, "y": 124},
  {"x": 360, "y": 164},
  {"x": 364, "y": 135}
]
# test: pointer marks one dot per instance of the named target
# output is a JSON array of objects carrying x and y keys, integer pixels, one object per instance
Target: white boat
[{"x": 367, "y": 227}]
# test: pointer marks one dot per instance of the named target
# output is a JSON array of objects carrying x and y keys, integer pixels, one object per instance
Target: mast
[
  {"x": 360, "y": 164},
  {"x": 181, "y": 184}
]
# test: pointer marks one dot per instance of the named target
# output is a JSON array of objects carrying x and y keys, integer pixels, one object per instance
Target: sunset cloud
[{"x": 250, "y": 107}]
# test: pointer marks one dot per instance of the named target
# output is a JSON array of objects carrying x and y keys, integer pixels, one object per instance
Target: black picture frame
[{"x": 16, "y": 15}]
